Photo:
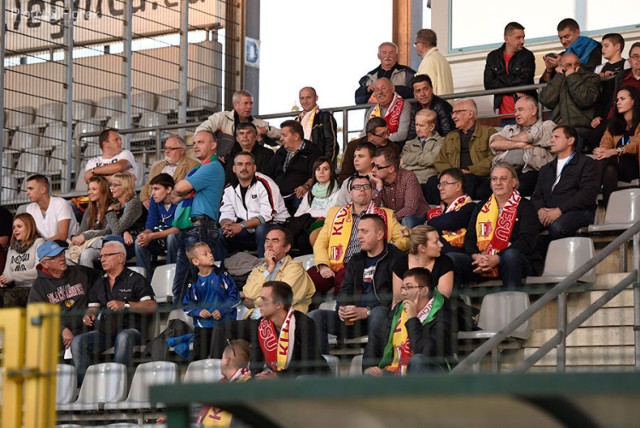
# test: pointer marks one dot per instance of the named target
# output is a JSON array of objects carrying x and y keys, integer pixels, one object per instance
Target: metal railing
[{"x": 563, "y": 328}]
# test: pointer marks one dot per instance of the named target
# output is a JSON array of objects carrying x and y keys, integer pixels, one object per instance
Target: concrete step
[
  {"x": 589, "y": 356},
  {"x": 605, "y": 317},
  {"x": 622, "y": 300},
  {"x": 589, "y": 336},
  {"x": 605, "y": 281}
]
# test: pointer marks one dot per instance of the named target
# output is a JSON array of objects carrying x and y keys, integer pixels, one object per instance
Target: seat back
[
  {"x": 162, "y": 281},
  {"x": 148, "y": 374},
  {"x": 66, "y": 383},
  {"x": 32, "y": 162},
  {"x": 204, "y": 96},
  {"x": 178, "y": 314},
  {"x": 203, "y": 371},
  {"x": 623, "y": 207},
  {"x": 87, "y": 126},
  {"x": 306, "y": 260},
  {"x": 566, "y": 255},
  {"x": 356, "y": 366},
  {"x": 104, "y": 383},
  {"x": 499, "y": 309},
  {"x": 82, "y": 109},
  {"x": 334, "y": 364},
  {"x": 109, "y": 106},
  {"x": 142, "y": 271},
  {"x": 49, "y": 112},
  {"x": 54, "y": 135},
  {"x": 57, "y": 160},
  {"x": 168, "y": 101},
  {"x": 25, "y": 140},
  {"x": 118, "y": 121},
  {"x": 18, "y": 116},
  {"x": 143, "y": 102}
]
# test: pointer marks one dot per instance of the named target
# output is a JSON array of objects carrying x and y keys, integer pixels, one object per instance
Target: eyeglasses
[
  {"x": 361, "y": 187},
  {"x": 380, "y": 167},
  {"x": 384, "y": 134},
  {"x": 415, "y": 44},
  {"x": 104, "y": 256},
  {"x": 446, "y": 183},
  {"x": 635, "y": 57},
  {"x": 458, "y": 111},
  {"x": 406, "y": 288}
]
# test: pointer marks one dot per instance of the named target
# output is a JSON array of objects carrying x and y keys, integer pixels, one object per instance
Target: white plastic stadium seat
[
  {"x": 563, "y": 258},
  {"x": 334, "y": 364},
  {"x": 306, "y": 260},
  {"x": 168, "y": 102},
  {"x": 178, "y": 314},
  {"x": 146, "y": 375},
  {"x": 623, "y": 210},
  {"x": 162, "y": 282},
  {"x": 82, "y": 109},
  {"x": 54, "y": 135},
  {"x": 19, "y": 116},
  {"x": 142, "y": 271},
  {"x": 203, "y": 371},
  {"x": 66, "y": 383},
  {"x": 103, "y": 383},
  {"x": 356, "y": 366},
  {"x": 32, "y": 162},
  {"x": 49, "y": 112},
  {"x": 143, "y": 102},
  {"x": 25, "y": 140}
]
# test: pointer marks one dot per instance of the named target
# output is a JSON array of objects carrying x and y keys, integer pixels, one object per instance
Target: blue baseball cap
[{"x": 49, "y": 249}]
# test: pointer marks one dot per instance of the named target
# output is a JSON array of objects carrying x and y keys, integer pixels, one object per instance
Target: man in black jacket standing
[
  {"x": 565, "y": 195},
  {"x": 510, "y": 65},
  {"x": 366, "y": 292}
]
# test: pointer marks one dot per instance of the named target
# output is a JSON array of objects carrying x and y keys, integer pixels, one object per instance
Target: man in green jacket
[
  {"x": 571, "y": 96},
  {"x": 467, "y": 148}
]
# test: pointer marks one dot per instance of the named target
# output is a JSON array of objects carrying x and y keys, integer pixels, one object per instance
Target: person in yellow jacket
[{"x": 338, "y": 240}]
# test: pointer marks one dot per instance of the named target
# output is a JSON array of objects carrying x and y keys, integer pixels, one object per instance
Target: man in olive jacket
[{"x": 466, "y": 148}]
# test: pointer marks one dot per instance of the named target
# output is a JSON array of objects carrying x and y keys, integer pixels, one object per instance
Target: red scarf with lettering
[
  {"x": 494, "y": 227},
  {"x": 277, "y": 350},
  {"x": 392, "y": 116},
  {"x": 453, "y": 237}
]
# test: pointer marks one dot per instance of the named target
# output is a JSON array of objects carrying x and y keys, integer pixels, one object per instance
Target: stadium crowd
[{"x": 427, "y": 201}]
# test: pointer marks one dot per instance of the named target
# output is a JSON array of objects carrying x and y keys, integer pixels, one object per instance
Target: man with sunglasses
[
  {"x": 60, "y": 284},
  {"x": 338, "y": 238}
]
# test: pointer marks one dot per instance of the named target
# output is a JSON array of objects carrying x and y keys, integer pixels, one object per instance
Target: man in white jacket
[{"x": 250, "y": 207}]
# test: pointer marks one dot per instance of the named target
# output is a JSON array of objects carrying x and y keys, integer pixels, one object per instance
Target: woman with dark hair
[
  {"x": 617, "y": 155},
  {"x": 309, "y": 218},
  {"x": 22, "y": 259},
  {"x": 93, "y": 223},
  {"x": 424, "y": 252}
]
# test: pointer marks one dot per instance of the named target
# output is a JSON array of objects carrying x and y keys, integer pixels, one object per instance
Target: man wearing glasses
[
  {"x": 338, "y": 238},
  {"x": 60, "y": 284},
  {"x": 117, "y": 303},
  {"x": 176, "y": 163},
  {"x": 466, "y": 148},
  {"x": 422, "y": 331}
]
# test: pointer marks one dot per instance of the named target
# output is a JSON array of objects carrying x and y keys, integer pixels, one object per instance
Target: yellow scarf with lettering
[
  {"x": 214, "y": 417},
  {"x": 494, "y": 227},
  {"x": 453, "y": 237}
]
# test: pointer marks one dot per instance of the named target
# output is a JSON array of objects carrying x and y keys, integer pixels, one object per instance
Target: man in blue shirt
[
  {"x": 159, "y": 236},
  {"x": 199, "y": 194}
]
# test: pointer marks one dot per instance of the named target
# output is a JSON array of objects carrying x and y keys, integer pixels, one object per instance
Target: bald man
[
  {"x": 393, "y": 108},
  {"x": 319, "y": 126}
]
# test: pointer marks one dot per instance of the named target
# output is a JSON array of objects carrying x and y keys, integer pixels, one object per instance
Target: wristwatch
[
  {"x": 620, "y": 151},
  {"x": 243, "y": 225},
  {"x": 368, "y": 312},
  {"x": 126, "y": 304}
]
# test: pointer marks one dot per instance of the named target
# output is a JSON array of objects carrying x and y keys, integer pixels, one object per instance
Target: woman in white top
[
  {"x": 322, "y": 196},
  {"x": 22, "y": 259}
]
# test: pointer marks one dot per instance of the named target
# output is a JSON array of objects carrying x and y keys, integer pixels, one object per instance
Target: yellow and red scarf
[
  {"x": 277, "y": 350},
  {"x": 306, "y": 120},
  {"x": 211, "y": 416},
  {"x": 340, "y": 233},
  {"x": 397, "y": 352},
  {"x": 494, "y": 227},
  {"x": 455, "y": 237},
  {"x": 392, "y": 116}
]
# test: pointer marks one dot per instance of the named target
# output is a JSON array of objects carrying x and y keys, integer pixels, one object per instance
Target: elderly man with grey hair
[
  {"x": 223, "y": 124},
  {"x": 526, "y": 145},
  {"x": 399, "y": 75},
  {"x": 467, "y": 148},
  {"x": 119, "y": 300},
  {"x": 176, "y": 163}
]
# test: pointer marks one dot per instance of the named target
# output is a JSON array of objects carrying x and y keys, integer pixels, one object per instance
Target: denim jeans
[
  {"x": 246, "y": 240},
  {"x": 328, "y": 322},
  {"x": 85, "y": 347},
  {"x": 143, "y": 254},
  {"x": 412, "y": 221},
  {"x": 206, "y": 231}
]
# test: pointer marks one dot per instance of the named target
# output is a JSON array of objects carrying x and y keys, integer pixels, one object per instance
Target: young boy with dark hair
[
  {"x": 209, "y": 299},
  {"x": 159, "y": 236}
]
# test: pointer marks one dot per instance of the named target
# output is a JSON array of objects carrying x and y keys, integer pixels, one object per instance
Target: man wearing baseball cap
[{"x": 64, "y": 285}]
